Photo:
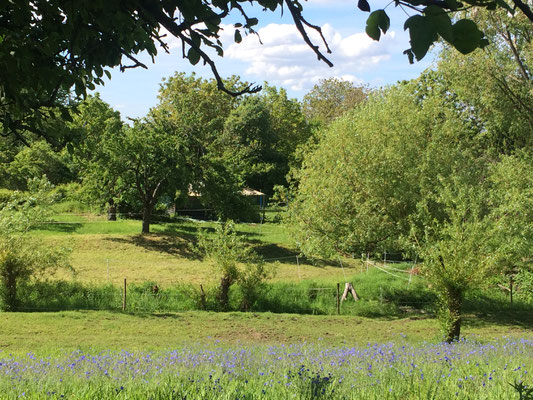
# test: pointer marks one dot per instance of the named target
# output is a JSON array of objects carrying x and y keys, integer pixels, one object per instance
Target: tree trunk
[
  {"x": 450, "y": 313},
  {"x": 10, "y": 288},
  {"x": 147, "y": 213},
  {"x": 223, "y": 295},
  {"x": 112, "y": 211}
]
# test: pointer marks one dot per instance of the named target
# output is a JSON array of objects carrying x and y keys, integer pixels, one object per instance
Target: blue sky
[{"x": 283, "y": 60}]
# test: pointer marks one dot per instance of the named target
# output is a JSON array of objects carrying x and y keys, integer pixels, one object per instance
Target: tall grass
[{"x": 380, "y": 296}]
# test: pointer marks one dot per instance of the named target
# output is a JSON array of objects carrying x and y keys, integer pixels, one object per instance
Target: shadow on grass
[
  {"x": 179, "y": 245},
  {"x": 61, "y": 227},
  {"x": 274, "y": 252}
]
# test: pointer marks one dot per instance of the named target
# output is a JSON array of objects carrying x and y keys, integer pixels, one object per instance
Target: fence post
[
  {"x": 124, "y": 296},
  {"x": 338, "y": 298},
  {"x": 298, "y": 263},
  {"x": 202, "y": 297},
  {"x": 511, "y": 289}
]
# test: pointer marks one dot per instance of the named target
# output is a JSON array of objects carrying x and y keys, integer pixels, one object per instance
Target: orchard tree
[
  {"x": 262, "y": 137},
  {"x": 151, "y": 163},
  {"x": 51, "y": 48},
  {"x": 195, "y": 111}
]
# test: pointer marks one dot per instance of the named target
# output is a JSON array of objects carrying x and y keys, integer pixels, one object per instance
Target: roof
[{"x": 244, "y": 192}]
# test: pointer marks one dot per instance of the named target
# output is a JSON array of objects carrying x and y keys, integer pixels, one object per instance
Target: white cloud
[{"x": 284, "y": 58}]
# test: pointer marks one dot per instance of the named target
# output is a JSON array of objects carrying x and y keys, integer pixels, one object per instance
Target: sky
[{"x": 283, "y": 59}]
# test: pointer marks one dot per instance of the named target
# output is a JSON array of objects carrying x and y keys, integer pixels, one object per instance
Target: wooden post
[
  {"x": 124, "y": 296},
  {"x": 349, "y": 289},
  {"x": 298, "y": 264},
  {"x": 202, "y": 298},
  {"x": 511, "y": 289},
  {"x": 338, "y": 298}
]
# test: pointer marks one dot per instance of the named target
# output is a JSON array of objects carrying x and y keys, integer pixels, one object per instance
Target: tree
[
  {"x": 35, "y": 161},
  {"x": 151, "y": 163},
  {"x": 261, "y": 138},
  {"x": 99, "y": 128},
  {"x": 22, "y": 257},
  {"x": 236, "y": 262},
  {"x": 195, "y": 112},
  {"x": 383, "y": 176},
  {"x": 330, "y": 98},
  {"x": 49, "y": 48},
  {"x": 495, "y": 86},
  {"x": 360, "y": 183}
]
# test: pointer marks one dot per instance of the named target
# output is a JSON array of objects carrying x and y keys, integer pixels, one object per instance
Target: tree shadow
[
  {"x": 59, "y": 227},
  {"x": 273, "y": 252},
  {"x": 177, "y": 245},
  {"x": 508, "y": 317}
]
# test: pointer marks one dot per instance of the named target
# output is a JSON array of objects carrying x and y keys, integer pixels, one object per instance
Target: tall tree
[
  {"x": 196, "y": 111},
  {"x": 94, "y": 160},
  {"x": 261, "y": 138},
  {"x": 151, "y": 163},
  {"x": 495, "y": 86},
  {"x": 330, "y": 98},
  {"x": 383, "y": 176}
]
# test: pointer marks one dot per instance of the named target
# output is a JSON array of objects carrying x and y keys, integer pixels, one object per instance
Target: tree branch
[
  {"x": 298, "y": 22},
  {"x": 524, "y": 8}
]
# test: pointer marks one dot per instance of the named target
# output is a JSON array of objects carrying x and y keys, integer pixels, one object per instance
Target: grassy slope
[
  {"x": 43, "y": 332},
  {"x": 109, "y": 251}
]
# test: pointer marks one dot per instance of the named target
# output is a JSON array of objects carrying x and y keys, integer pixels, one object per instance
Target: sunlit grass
[
  {"x": 464, "y": 370},
  {"x": 109, "y": 251}
]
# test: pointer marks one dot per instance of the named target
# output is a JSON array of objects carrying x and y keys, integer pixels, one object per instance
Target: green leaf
[
  {"x": 466, "y": 36},
  {"x": 410, "y": 55},
  {"x": 238, "y": 37},
  {"x": 193, "y": 56},
  {"x": 107, "y": 73},
  {"x": 377, "y": 22},
  {"x": 363, "y": 5},
  {"x": 452, "y": 4},
  {"x": 441, "y": 21},
  {"x": 503, "y": 4},
  {"x": 422, "y": 34},
  {"x": 483, "y": 43}
]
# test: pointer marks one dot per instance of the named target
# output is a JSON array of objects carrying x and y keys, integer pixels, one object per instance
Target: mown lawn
[{"x": 70, "y": 330}]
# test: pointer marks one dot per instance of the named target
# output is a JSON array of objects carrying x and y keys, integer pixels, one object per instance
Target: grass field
[
  {"x": 88, "y": 355},
  {"x": 106, "y": 252},
  {"x": 385, "y": 346}
]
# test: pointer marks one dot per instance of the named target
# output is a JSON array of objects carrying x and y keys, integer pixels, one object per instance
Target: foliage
[
  {"x": 22, "y": 258},
  {"x": 361, "y": 182},
  {"x": 33, "y": 162},
  {"x": 417, "y": 181},
  {"x": 495, "y": 87},
  {"x": 261, "y": 139},
  {"x": 94, "y": 159},
  {"x": 236, "y": 262},
  {"x": 331, "y": 98},
  {"x": 50, "y": 48}
]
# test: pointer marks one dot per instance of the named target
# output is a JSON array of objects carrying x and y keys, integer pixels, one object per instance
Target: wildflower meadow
[{"x": 468, "y": 369}]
